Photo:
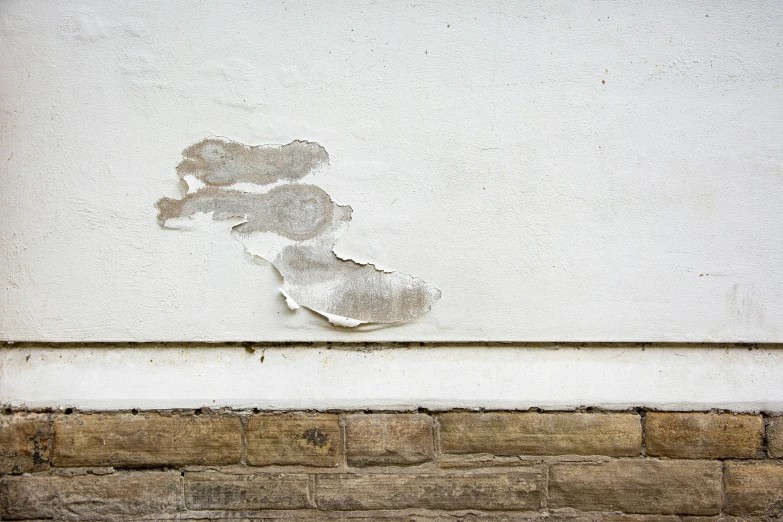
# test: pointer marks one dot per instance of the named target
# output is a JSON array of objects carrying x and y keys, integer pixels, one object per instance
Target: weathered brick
[
  {"x": 449, "y": 461},
  {"x": 567, "y": 516},
  {"x": 287, "y": 439},
  {"x": 90, "y": 496},
  {"x": 388, "y": 439},
  {"x": 720, "y": 518},
  {"x": 530, "y": 433},
  {"x": 754, "y": 488},
  {"x": 338, "y": 516},
  {"x": 519, "y": 516},
  {"x": 24, "y": 443},
  {"x": 207, "y": 490},
  {"x": 495, "y": 491},
  {"x": 146, "y": 440},
  {"x": 341, "y": 516},
  {"x": 686, "y": 487},
  {"x": 704, "y": 435},
  {"x": 612, "y": 517},
  {"x": 775, "y": 437}
]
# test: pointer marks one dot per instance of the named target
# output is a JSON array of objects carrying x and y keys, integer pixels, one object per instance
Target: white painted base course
[{"x": 740, "y": 378}]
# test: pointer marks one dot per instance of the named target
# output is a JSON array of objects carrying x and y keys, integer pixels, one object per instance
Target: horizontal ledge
[
  {"x": 323, "y": 377},
  {"x": 380, "y": 345}
]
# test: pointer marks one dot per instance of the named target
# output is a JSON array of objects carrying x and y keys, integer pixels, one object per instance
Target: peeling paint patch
[
  {"x": 294, "y": 226},
  {"x": 293, "y": 305},
  {"x": 293, "y": 211},
  {"x": 219, "y": 162}
]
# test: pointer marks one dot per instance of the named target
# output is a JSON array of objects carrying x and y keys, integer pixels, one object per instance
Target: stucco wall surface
[{"x": 591, "y": 171}]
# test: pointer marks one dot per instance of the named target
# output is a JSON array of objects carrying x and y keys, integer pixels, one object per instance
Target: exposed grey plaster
[
  {"x": 316, "y": 278},
  {"x": 222, "y": 162},
  {"x": 294, "y": 226},
  {"x": 294, "y": 211}
]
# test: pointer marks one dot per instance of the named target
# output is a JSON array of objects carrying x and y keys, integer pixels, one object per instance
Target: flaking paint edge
[{"x": 294, "y": 226}]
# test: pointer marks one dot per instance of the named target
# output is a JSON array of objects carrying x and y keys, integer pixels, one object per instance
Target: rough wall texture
[
  {"x": 412, "y": 466},
  {"x": 601, "y": 170}
]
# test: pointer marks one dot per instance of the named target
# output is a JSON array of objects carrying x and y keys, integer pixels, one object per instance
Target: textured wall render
[{"x": 586, "y": 171}]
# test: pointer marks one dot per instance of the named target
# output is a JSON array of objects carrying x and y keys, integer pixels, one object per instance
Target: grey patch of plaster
[
  {"x": 293, "y": 211},
  {"x": 316, "y": 278},
  {"x": 221, "y": 162},
  {"x": 294, "y": 226}
]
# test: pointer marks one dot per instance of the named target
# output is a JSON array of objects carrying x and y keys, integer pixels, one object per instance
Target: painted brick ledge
[{"x": 412, "y": 466}]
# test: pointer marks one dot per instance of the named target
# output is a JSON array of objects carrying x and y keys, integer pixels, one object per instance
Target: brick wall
[{"x": 578, "y": 466}]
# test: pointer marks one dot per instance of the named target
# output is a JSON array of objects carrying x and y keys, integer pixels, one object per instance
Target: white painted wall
[
  {"x": 441, "y": 377},
  {"x": 607, "y": 171}
]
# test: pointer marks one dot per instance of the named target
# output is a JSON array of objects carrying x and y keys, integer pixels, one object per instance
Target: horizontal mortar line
[
  {"x": 378, "y": 345},
  {"x": 226, "y": 411}
]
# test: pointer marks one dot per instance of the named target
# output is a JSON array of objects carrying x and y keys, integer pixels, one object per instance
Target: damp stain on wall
[{"x": 293, "y": 225}]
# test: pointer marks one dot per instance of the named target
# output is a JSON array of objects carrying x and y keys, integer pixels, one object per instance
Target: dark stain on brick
[
  {"x": 316, "y": 437},
  {"x": 774, "y": 513},
  {"x": 40, "y": 450}
]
